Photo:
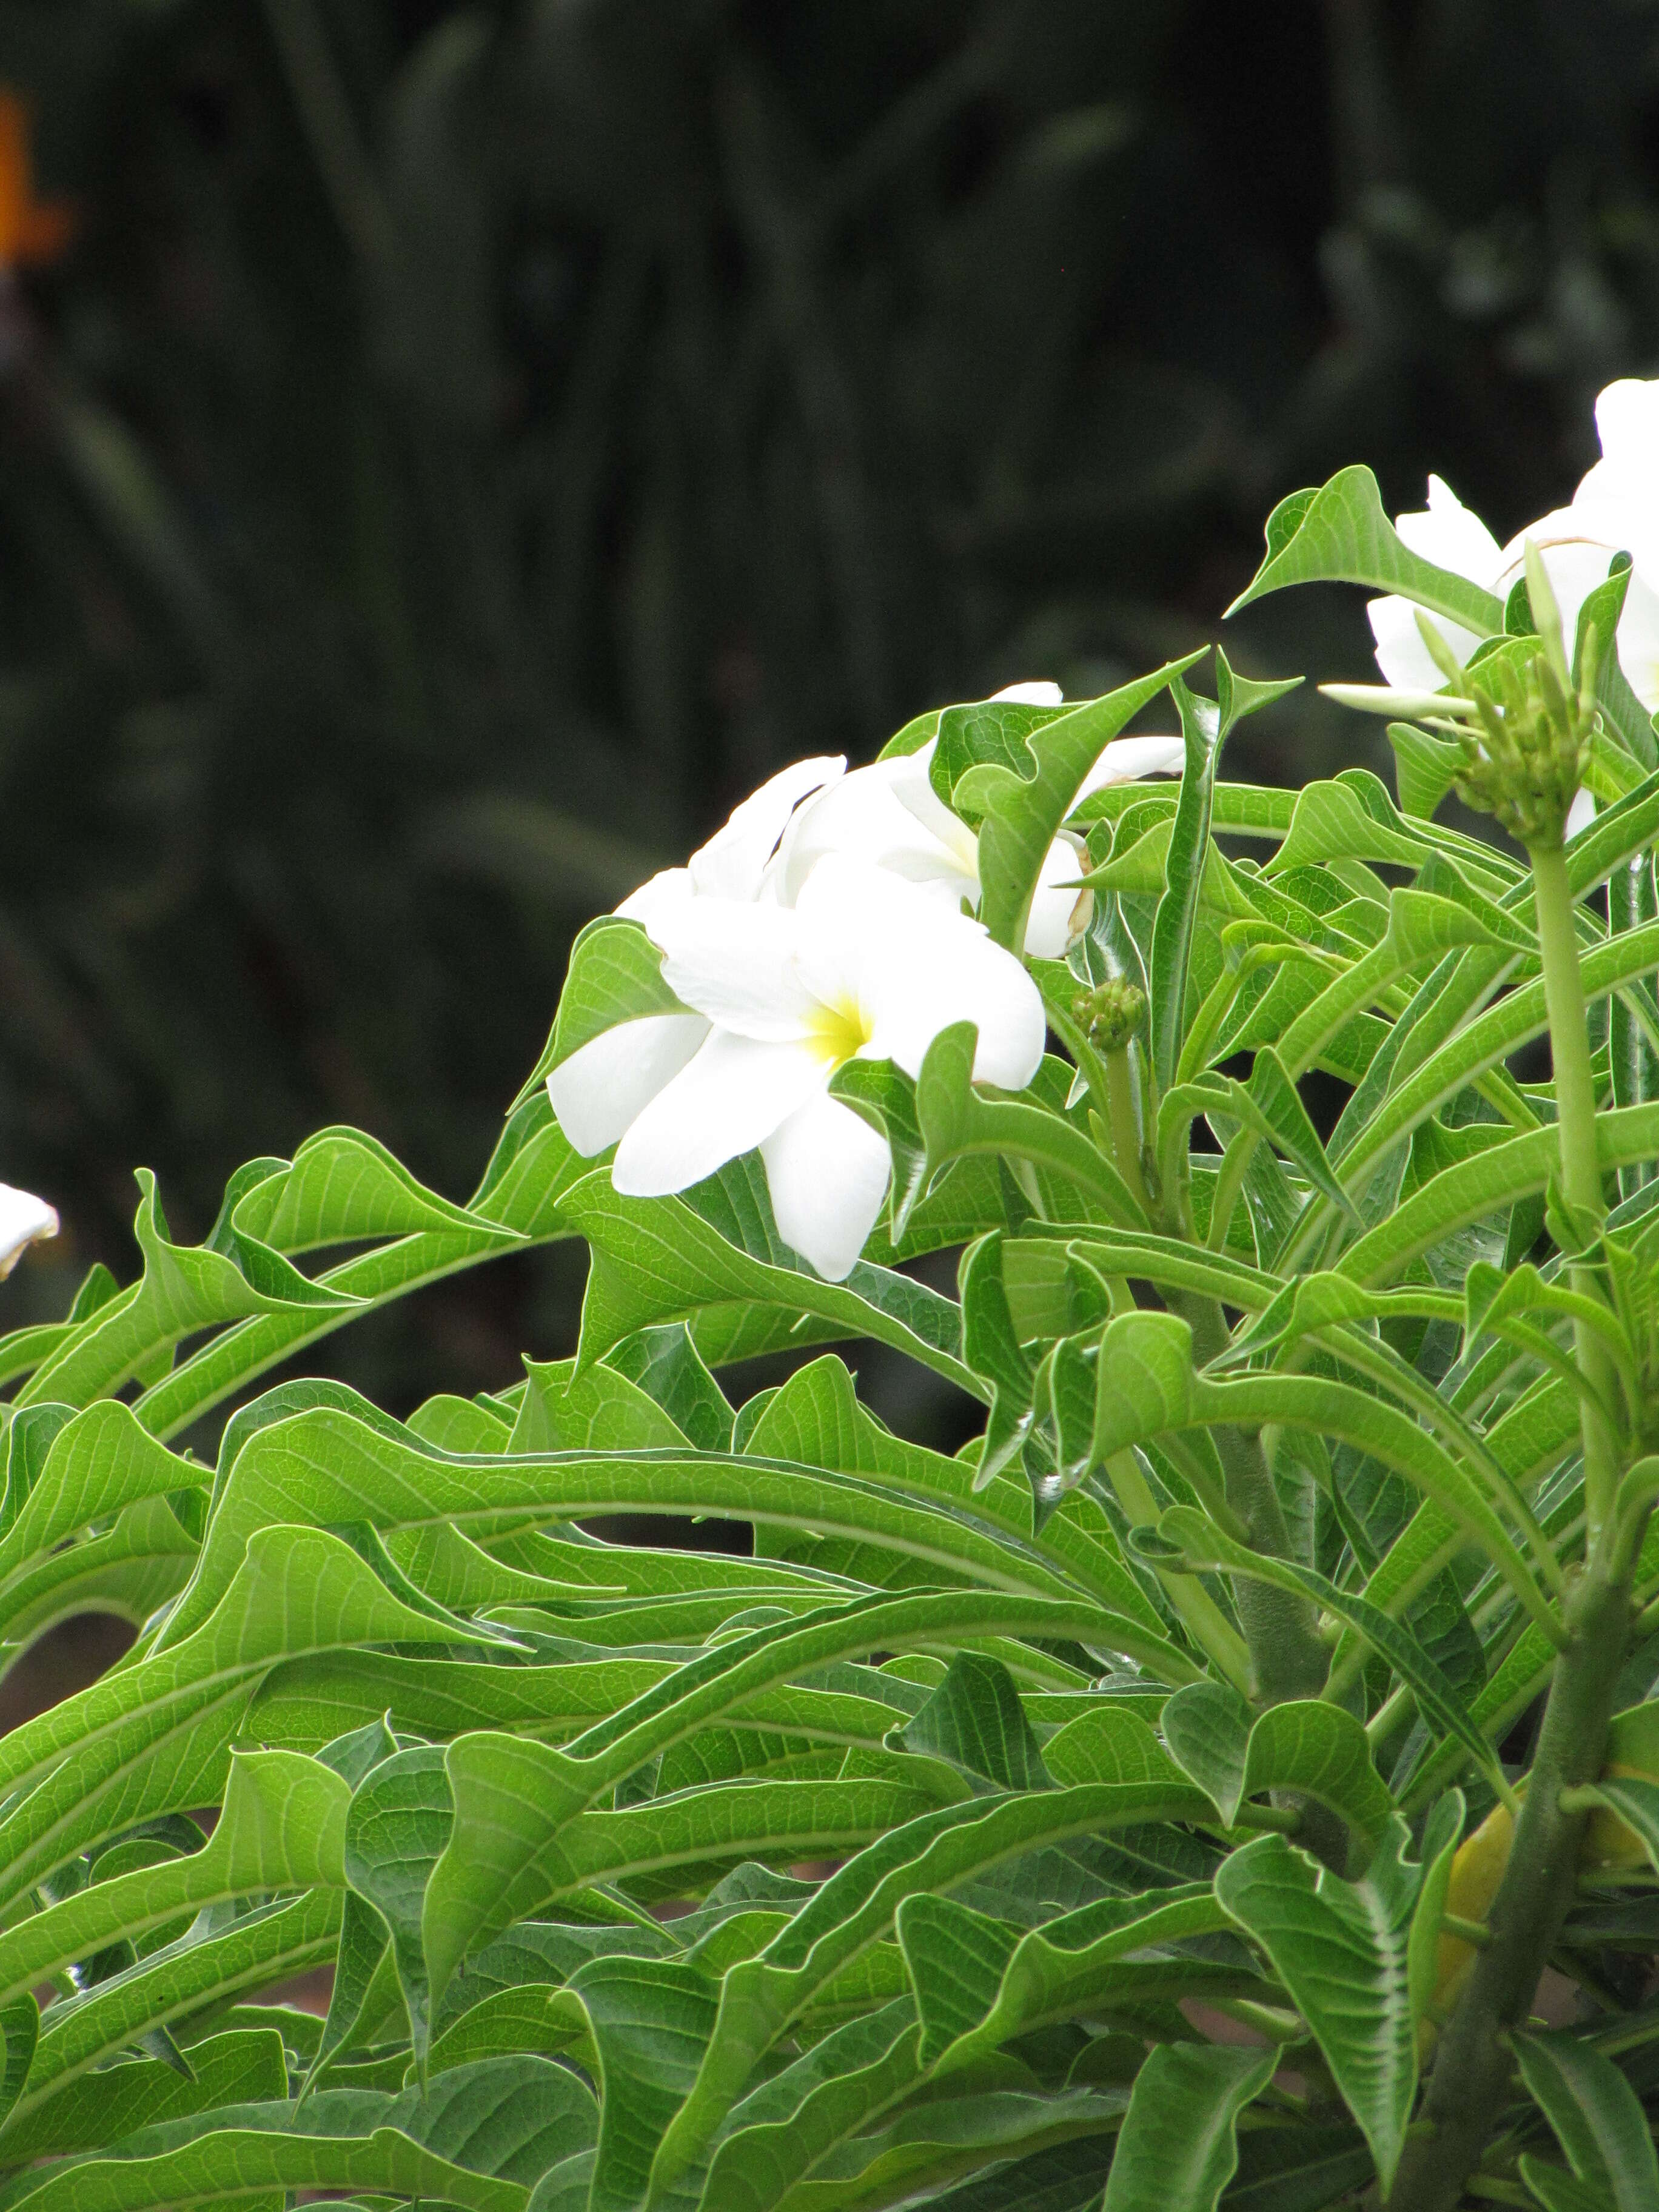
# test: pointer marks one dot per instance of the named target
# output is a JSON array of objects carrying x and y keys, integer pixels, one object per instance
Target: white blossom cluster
[
  {"x": 1614, "y": 510},
  {"x": 829, "y": 920}
]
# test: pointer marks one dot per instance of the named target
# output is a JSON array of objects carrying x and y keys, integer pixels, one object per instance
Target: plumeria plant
[{"x": 1230, "y": 1779}]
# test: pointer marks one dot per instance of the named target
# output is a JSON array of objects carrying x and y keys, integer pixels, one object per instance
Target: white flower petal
[
  {"x": 727, "y": 1099},
  {"x": 1126, "y": 760},
  {"x": 1033, "y": 694},
  {"x": 1404, "y": 660},
  {"x": 865, "y": 817},
  {"x": 1628, "y": 423},
  {"x": 1450, "y": 535},
  {"x": 1059, "y": 914},
  {"x": 735, "y": 961},
  {"x": 1447, "y": 533},
  {"x": 827, "y": 1171},
  {"x": 1639, "y": 641},
  {"x": 669, "y": 887},
  {"x": 24, "y": 1220},
  {"x": 1574, "y": 563},
  {"x": 598, "y": 1092},
  {"x": 1581, "y": 813},
  {"x": 913, "y": 968},
  {"x": 732, "y": 864},
  {"x": 913, "y": 787}
]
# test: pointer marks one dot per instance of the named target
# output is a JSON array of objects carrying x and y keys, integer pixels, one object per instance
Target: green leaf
[
  {"x": 1273, "y": 1107},
  {"x": 1425, "y": 768},
  {"x": 162, "y": 1725},
  {"x": 1332, "y": 822},
  {"x": 665, "y": 1365},
  {"x": 1021, "y": 811},
  {"x": 1558, "y": 2191},
  {"x": 209, "y": 1966},
  {"x": 981, "y": 1984},
  {"x": 399, "y": 1823},
  {"x": 776, "y": 2134},
  {"x": 1298, "y": 2168},
  {"x": 1190, "y": 1537},
  {"x": 1178, "y": 2148},
  {"x": 514, "y": 1801},
  {"x": 1176, "y": 920},
  {"x": 1302, "y": 1745},
  {"x": 1622, "y": 711},
  {"x": 1341, "y": 1949},
  {"x": 1636, "y": 1802},
  {"x": 1340, "y": 534},
  {"x": 650, "y": 2020},
  {"x": 958, "y": 1121},
  {"x": 761, "y": 1996},
  {"x": 565, "y": 1409},
  {"x": 991, "y": 1345},
  {"x": 1596, "y": 2115},
  {"x": 281, "y": 1826},
  {"x": 884, "y": 1096},
  {"x": 517, "y": 1200},
  {"x": 615, "y": 975},
  {"x": 1321, "y": 1750},
  {"x": 660, "y": 1259},
  {"x": 183, "y": 1289},
  {"x": 1147, "y": 1388},
  {"x": 1239, "y": 697},
  {"x": 240, "y": 2066},
  {"x": 1207, "y": 1729},
  {"x": 975, "y": 1720}
]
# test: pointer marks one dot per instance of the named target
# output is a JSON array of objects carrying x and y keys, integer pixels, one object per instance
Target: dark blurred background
[{"x": 448, "y": 454}]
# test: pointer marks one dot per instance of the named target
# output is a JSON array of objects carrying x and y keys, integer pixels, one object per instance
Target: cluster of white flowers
[
  {"x": 1614, "y": 510},
  {"x": 825, "y": 922}
]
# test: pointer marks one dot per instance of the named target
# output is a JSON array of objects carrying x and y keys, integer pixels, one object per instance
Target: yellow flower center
[{"x": 836, "y": 1033}]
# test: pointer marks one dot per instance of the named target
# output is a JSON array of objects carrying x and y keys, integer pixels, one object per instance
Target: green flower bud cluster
[
  {"x": 1110, "y": 1014},
  {"x": 1523, "y": 721},
  {"x": 1527, "y": 757}
]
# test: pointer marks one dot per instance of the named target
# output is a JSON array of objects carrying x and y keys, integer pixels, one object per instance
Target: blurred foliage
[{"x": 463, "y": 449}]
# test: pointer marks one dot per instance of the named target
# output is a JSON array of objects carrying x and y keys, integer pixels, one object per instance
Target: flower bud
[
  {"x": 1110, "y": 1014},
  {"x": 1526, "y": 754}
]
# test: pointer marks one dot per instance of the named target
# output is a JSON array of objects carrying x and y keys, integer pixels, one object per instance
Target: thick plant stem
[
  {"x": 1470, "y": 2083},
  {"x": 1471, "y": 2078},
  {"x": 1580, "y": 1176}
]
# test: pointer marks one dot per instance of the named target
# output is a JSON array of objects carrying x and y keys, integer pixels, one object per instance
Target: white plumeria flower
[
  {"x": 598, "y": 1092},
  {"x": 864, "y": 966},
  {"x": 1615, "y": 510},
  {"x": 889, "y": 814},
  {"x": 1576, "y": 543},
  {"x": 24, "y": 1220},
  {"x": 886, "y": 816},
  {"x": 1452, "y": 536}
]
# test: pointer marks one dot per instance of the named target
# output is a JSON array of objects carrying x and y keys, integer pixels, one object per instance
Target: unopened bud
[
  {"x": 1527, "y": 759},
  {"x": 1111, "y": 1013}
]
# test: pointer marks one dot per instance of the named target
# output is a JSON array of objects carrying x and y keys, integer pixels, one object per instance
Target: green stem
[
  {"x": 1470, "y": 2084},
  {"x": 1125, "y": 1120},
  {"x": 1229, "y": 1182},
  {"x": 1203, "y": 1618},
  {"x": 1581, "y": 1173},
  {"x": 1287, "y": 1656}
]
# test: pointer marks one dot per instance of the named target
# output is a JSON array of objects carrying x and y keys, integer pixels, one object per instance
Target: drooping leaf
[{"x": 1177, "y": 2149}]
